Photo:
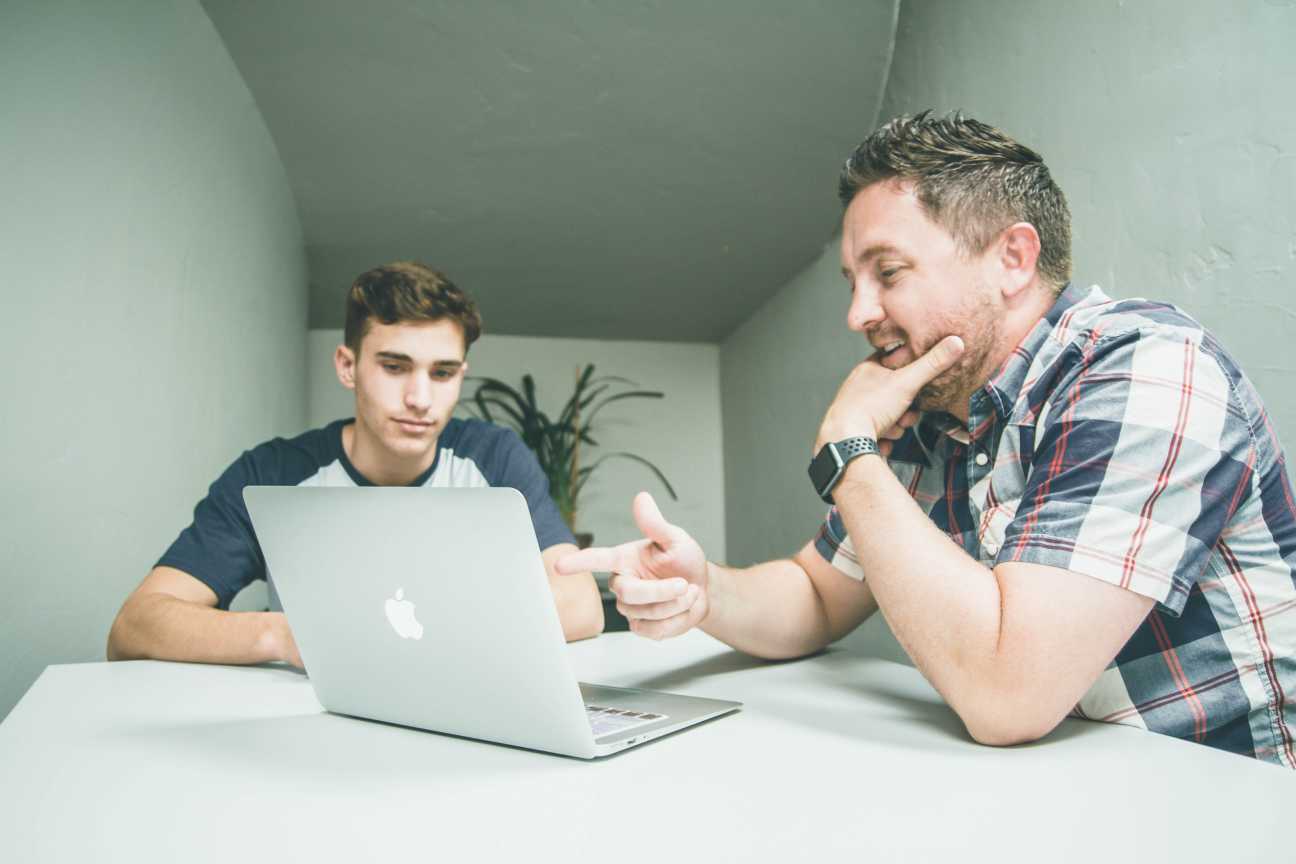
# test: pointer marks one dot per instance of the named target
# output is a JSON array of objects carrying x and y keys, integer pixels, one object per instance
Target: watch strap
[
  {"x": 835, "y": 456},
  {"x": 852, "y": 448}
]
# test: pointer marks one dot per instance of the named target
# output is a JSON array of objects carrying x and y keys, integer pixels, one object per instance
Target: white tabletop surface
[{"x": 833, "y": 757}]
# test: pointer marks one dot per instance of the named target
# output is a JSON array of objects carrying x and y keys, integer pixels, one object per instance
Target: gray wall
[
  {"x": 154, "y": 305},
  {"x": 1168, "y": 125}
]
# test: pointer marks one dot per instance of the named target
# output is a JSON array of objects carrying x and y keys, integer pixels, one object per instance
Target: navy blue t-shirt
[{"x": 220, "y": 548}]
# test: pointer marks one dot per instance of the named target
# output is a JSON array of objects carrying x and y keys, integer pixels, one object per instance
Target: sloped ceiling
[{"x": 618, "y": 170}]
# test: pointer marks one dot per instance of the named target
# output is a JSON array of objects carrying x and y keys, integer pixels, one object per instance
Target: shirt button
[
  {"x": 990, "y": 549},
  {"x": 981, "y": 458}
]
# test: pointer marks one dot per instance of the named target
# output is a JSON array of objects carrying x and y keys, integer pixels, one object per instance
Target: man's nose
[
  {"x": 418, "y": 393},
  {"x": 865, "y": 310}
]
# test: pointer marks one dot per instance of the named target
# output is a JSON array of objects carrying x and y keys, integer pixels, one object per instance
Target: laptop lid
[{"x": 424, "y": 607}]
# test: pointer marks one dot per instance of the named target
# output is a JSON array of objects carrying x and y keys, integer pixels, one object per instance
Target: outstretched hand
[{"x": 660, "y": 581}]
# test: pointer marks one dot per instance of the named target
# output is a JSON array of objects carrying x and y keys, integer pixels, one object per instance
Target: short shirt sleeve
[
  {"x": 520, "y": 470},
  {"x": 1138, "y": 463},
  {"x": 219, "y": 548}
]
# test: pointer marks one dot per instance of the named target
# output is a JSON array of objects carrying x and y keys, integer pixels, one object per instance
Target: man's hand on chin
[{"x": 877, "y": 402}]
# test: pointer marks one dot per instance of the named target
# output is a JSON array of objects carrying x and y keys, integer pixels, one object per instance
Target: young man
[
  {"x": 408, "y": 330},
  {"x": 1123, "y": 527}
]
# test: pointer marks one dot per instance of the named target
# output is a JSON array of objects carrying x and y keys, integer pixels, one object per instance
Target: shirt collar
[
  {"x": 921, "y": 444},
  {"x": 1005, "y": 386},
  {"x": 1001, "y": 391}
]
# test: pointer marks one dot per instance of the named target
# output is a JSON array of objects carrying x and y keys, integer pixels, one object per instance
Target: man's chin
[
  {"x": 939, "y": 395},
  {"x": 407, "y": 445}
]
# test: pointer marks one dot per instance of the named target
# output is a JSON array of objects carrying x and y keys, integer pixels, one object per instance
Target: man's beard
[{"x": 950, "y": 390}]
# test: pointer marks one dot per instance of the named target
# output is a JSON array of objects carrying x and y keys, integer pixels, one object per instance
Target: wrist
[
  {"x": 830, "y": 464},
  {"x": 833, "y": 435},
  {"x": 860, "y": 474},
  {"x": 714, "y": 588}
]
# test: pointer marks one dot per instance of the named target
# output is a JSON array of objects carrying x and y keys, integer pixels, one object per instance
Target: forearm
[
  {"x": 576, "y": 595},
  {"x": 770, "y": 610},
  {"x": 580, "y": 606},
  {"x": 158, "y": 626},
  {"x": 943, "y": 606}
]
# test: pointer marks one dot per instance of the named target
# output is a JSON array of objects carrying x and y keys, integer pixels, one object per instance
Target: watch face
[{"x": 823, "y": 469}]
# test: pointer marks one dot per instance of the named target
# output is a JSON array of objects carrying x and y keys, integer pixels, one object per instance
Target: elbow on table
[
  {"x": 118, "y": 639},
  {"x": 1006, "y": 724}
]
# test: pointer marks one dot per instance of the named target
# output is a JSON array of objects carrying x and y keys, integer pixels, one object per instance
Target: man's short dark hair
[
  {"x": 407, "y": 291},
  {"x": 971, "y": 179}
]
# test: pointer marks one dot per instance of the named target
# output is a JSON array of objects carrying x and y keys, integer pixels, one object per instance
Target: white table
[{"x": 837, "y": 757}]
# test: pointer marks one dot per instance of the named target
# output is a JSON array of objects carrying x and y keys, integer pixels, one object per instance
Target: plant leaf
[
  {"x": 483, "y": 403},
  {"x": 589, "y": 470},
  {"x": 629, "y": 394},
  {"x": 528, "y": 387}
]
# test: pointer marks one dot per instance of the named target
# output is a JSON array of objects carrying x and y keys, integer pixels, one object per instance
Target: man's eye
[
  {"x": 391, "y": 367},
  {"x": 442, "y": 374}
]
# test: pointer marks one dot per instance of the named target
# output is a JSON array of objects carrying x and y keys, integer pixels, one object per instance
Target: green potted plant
[{"x": 557, "y": 442}]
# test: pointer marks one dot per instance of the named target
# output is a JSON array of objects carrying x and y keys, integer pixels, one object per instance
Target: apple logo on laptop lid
[{"x": 400, "y": 612}]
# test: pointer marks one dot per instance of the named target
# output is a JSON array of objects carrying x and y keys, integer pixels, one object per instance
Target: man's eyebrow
[
  {"x": 876, "y": 250},
  {"x": 405, "y": 358}
]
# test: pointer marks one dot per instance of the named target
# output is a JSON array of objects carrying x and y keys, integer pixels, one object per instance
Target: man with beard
[{"x": 1124, "y": 537}]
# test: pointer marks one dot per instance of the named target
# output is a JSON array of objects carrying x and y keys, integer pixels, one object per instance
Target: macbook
[{"x": 431, "y": 608}]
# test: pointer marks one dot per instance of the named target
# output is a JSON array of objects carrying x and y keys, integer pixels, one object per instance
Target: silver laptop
[{"x": 431, "y": 608}]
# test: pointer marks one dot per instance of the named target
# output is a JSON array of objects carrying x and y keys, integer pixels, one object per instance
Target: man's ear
[
  {"x": 344, "y": 361},
  {"x": 1019, "y": 248}
]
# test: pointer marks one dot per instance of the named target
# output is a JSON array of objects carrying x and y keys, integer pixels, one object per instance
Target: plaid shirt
[{"x": 1120, "y": 441}]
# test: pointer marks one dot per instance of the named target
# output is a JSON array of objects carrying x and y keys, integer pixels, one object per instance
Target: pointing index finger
[{"x": 596, "y": 559}]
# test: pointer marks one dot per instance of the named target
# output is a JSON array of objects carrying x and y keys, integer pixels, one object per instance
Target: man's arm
[
  {"x": 172, "y": 616},
  {"x": 1012, "y": 649},
  {"x": 779, "y": 609},
  {"x": 783, "y": 609},
  {"x": 580, "y": 608}
]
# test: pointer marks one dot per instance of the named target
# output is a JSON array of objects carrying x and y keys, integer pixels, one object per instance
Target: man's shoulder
[
  {"x": 497, "y": 451},
  {"x": 1134, "y": 336},
  {"x": 283, "y": 461},
  {"x": 1099, "y": 320},
  {"x": 1140, "y": 351},
  {"x": 468, "y": 434}
]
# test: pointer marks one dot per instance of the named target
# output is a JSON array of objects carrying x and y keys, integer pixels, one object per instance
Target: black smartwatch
[{"x": 827, "y": 468}]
